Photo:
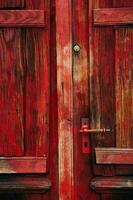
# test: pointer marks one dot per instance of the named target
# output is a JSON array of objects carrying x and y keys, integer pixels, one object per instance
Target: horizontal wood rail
[
  {"x": 17, "y": 165},
  {"x": 113, "y": 16},
  {"x": 114, "y": 156},
  {"x": 111, "y": 183},
  {"x": 23, "y": 18},
  {"x": 19, "y": 184}
]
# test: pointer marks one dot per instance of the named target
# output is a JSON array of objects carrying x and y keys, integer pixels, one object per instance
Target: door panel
[
  {"x": 24, "y": 84},
  {"x": 111, "y": 84}
]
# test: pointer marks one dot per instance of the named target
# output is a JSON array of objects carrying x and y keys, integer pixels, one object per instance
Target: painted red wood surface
[
  {"x": 21, "y": 165},
  {"x": 110, "y": 183},
  {"x": 22, "y": 18},
  {"x": 54, "y": 171},
  {"x": 113, "y": 16},
  {"x": 24, "y": 88},
  {"x": 114, "y": 156},
  {"x": 11, "y": 4},
  {"x": 82, "y": 162},
  {"x": 111, "y": 89},
  {"x": 24, "y": 184},
  {"x": 65, "y": 98}
]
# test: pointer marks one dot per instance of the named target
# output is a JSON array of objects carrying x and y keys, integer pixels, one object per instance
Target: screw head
[{"x": 76, "y": 48}]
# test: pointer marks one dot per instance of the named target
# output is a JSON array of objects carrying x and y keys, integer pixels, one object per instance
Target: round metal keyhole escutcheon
[{"x": 76, "y": 48}]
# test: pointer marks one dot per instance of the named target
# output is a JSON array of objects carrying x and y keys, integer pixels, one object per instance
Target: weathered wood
[
  {"x": 65, "y": 97},
  {"x": 35, "y": 45},
  {"x": 113, "y": 16},
  {"x": 24, "y": 87},
  {"x": 81, "y": 96},
  {"x": 39, "y": 4},
  {"x": 102, "y": 4},
  {"x": 124, "y": 85},
  {"x": 54, "y": 172},
  {"x": 102, "y": 101},
  {"x": 22, "y": 18},
  {"x": 122, "y": 4},
  {"x": 15, "y": 165},
  {"x": 11, "y": 93},
  {"x": 118, "y": 183},
  {"x": 114, "y": 156},
  {"x": 10, "y": 184},
  {"x": 36, "y": 100}
]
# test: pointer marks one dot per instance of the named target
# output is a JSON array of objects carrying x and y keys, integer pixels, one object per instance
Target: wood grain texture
[
  {"x": 17, "y": 165},
  {"x": 53, "y": 137},
  {"x": 122, "y": 4},
  {"x": 36, "y": 100},
  {"x": 102, "y": 81},
  {"x": 118, "y": 183},
  {"x": 35, "y": 47},
  {"x": 39, "y": 4},
  {"x": 114, "y": 156},
  {"x": 11, "y": 93},
  {"x": 24, "y": 91},
  {"x": 10, "y": 4},
  {"x": 119, "y": 169},
  {"x": 22, "y": 18},
  {"x": 82, "y": 166},
  {"x": 65, "y": 98},
  {"x": 113, "y": 16},
  {"x": 102, "y": 4},
  {"x": 10, "y": 184},
  {"x": 124, "y": 87},
  {"x": 102, "y": 101}
]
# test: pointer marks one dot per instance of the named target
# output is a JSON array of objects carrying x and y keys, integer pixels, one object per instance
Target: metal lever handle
[
  {"x": 85, "y": 129},
  {"x": 86, "y": 132}
]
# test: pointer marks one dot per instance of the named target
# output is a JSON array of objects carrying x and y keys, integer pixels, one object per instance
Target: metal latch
[{"x": 85, "y": 131}]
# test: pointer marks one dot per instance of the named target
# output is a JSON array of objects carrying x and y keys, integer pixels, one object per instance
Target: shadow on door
[{"x": 11, "y": 197}]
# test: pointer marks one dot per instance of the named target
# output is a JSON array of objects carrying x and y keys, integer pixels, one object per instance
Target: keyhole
[{"x": 86, "y": 144}]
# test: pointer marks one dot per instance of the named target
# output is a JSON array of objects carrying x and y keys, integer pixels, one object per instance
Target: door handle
[{"x": 86, "y": 131}]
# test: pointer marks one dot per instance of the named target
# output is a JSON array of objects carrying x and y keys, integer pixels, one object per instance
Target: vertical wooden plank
[
  {"x": 36, "y": 53},
  {"x": 54, "y": 173},
  {"x": 124, "y": 94},
  {"x": 65, "y": 98},
  {"x": 121, "y": 3},
  {"x": 124, "y": 87},
  {"x": 37, "y": 92},
  {"x": 102, "y": 84},
  {"x": 11, "y": 93},
  {"x": 82, "y": 162}
]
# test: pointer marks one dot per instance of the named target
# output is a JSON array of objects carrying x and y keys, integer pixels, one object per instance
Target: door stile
[
  {"x": 65, "y": 98},
  {"x": 82, "y": 162}
]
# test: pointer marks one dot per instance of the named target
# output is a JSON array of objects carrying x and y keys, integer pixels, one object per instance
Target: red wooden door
[
  {"x": 24, "y": 96},
  {"x": 111, "y": 97}
]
